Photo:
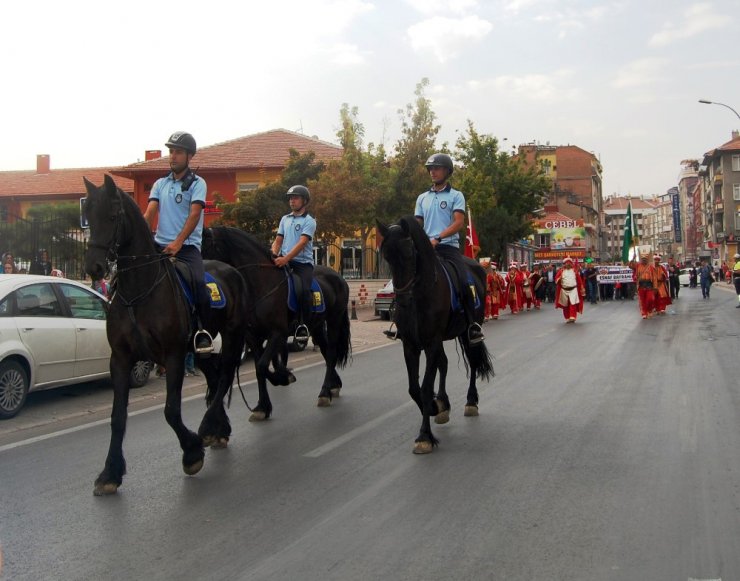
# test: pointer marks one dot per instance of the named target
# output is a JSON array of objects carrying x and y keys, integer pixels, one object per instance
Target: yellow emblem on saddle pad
[
  {"x": 215, "y": 293},
  {"x": 316, "y": 299}
]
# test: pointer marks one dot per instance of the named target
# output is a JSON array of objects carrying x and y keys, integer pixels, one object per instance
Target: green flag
[{"x": 630, "y": 232}]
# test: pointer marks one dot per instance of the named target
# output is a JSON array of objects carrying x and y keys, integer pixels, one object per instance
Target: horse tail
[
  {"x": 344, "y": 343},
  {"x": 479, "y": 359}
]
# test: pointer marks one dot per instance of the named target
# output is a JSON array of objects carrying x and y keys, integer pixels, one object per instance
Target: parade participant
[
  {"x": 527, "y": 289},
  {"x": 514, "y": 297},
  {"x": 441, "y": 212},
  {"x": 644, "y": 277},
  {"x": 673, "y": 272},
  {"x": 538, "y": 287},
  {"x": 662, "y": 294},
  {"x": 293, "y": 247},
  {"x": 569, "y": 291},
  {"x": 178, "y": 199},
  {"x": 496, "y": 288},
  {"x": 736, "y": 278}
]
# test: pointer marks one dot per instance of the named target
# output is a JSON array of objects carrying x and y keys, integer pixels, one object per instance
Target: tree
[
  {"x": 410, "y": 177},
  {"x": 259, "y": 211},
  {"x": 502, "y": 191}
]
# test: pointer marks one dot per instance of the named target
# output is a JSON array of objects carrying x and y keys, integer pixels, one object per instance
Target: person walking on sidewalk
[{"x": 736, "y": 278}]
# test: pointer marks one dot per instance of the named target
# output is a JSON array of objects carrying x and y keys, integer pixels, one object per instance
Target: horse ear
[
  {"x": 89, "y": 186},
  {"x": 404, "y": 225},
  {"x": 110, "y": 185},
  {"x": 382, "y": 228}
]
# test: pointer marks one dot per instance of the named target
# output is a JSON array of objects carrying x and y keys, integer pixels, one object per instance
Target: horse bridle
[
  {"x": 407, "y": 288},
  {"x": 111, "y": 249}
]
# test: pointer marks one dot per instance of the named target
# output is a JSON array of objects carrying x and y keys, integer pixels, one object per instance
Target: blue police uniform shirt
[
  {"x": 437, "y": 209},
  {"x": 291, "y": 228},
  {"x": 174, "y": 209}
]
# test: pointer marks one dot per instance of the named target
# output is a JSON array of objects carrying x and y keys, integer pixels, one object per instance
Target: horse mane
[
  {"x": 426, "y": 256},
  {"x": 240, "y": 240}
]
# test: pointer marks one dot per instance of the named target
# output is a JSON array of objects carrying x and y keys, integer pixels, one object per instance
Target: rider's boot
[{"x": 302, "y": 334}]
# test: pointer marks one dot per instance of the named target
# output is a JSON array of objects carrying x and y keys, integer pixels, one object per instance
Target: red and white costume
[
  {"x": 527, "y": 289},
  {"x": 644, "y": 277},
  {"x": 569, "y": 291},
  {"x": 514, "y": 298},
  {"x": 495, "y": 292},
  {"x": 662, "y": 291}
]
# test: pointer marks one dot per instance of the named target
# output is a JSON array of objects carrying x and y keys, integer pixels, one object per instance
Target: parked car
[
  {"x": 52, "y": 333},
  {"x": 384, "y": 301},
  {"x": 684, "y": 277}
]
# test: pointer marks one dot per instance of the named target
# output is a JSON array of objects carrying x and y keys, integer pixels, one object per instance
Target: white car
[
  {"x": 52, "y": 333},
  {"x": 683, "y": 277}
]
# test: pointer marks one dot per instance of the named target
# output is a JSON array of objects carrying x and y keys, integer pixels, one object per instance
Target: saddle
[
  {"x": 187, "y": 282},
  {"x": 295, "y": 290},
  {"x": 450, "y": 270}
]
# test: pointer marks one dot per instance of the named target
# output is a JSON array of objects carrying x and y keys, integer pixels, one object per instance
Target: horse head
[
  {"x": 103, "y": 212},
  {"x": 400, "y": 251}
]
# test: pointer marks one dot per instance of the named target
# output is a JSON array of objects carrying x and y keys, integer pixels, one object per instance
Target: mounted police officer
[
  {"x": 293, "y": 247},
  {"x": 441, "y": 212},
  {"x": 179, "y": 199}
]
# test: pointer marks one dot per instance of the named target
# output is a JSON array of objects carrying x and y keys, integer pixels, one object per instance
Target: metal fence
[
  {"x": 352, "y": 262},
  {"x": 25, "y": 239}
]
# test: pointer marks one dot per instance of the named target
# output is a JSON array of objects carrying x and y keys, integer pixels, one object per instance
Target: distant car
[
  {"x": 384, "y": 301},
  {"x": 52, "y": 333},
  {"x": 683, "y": 277}
]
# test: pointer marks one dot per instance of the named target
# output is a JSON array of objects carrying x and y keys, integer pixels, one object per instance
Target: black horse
[
  {"x": 149, "y": 319},
  {"x": 425, "y": 320},
  {"x": 270, "y": 318}
]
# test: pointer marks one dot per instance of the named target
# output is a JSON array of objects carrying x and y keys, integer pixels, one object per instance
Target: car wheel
[
  {"x": 385, "y": 315},
  {"x": 140, "y": 373},
  {"x": 13, "y": 388}
]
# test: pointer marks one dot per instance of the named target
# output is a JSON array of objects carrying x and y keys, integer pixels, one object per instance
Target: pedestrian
[
  {"x": 42, "y": 264},
  {"x": 550, "y": 283},
  {"x": 190, "y": 365},
  {"x": 706, "y": 278},
  {"x": 694, "y": 274},
  {"x": 662, "y": 294},
  {"x": 293, "y": 248},
  {"x": 178, "y": 200},
  {"x": 736, "y": 278},
  {"x": 570, "y": 291},
  {"x": 673, "y": 271},
  {"x": 101, "y": 286},
  {"x": 8, "y": 268},
  {"x": 441, "y": 212},
  {"x": 538, "y": 286},
  {"x": 592, "y": 283},
  {"x": 9, "y": 259},
  {"x": 644, "y": 277}
]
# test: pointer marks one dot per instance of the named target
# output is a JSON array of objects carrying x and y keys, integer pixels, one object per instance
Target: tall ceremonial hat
[
  {"x": 656, "y": 256},
  {"x": 494, "y": 266},
  {"x": 512, "y": 264},
  {"x": 567, "y": 259}
]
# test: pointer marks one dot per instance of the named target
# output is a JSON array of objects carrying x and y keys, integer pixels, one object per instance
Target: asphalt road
[{"x": 604, "y": 450}]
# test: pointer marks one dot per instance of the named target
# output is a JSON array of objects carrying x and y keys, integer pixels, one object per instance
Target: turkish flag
[{"x": 472, "y": 247}]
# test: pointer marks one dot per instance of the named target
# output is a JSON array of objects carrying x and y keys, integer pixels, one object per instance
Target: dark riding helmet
[
  {"x": 301, "y": 191},
  {"x": 441, "y": 160},
  {"x": 182, "y": 140}
]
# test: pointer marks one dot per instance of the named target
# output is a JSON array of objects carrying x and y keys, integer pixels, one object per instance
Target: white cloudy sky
[{"x": 96, "y": 83}]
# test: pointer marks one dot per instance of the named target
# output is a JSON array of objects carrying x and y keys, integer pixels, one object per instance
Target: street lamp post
[{"x": 706, "y": 102}]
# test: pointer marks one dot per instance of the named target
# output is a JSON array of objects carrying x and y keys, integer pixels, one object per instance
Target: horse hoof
[
  {"x": 423, "y": 447},
  {"x": 324, "y": 402},
  {"x": 193, "y": 468},
  {"x": 291, "y": 379},
  {"x": 258, "y": 417},
  {"x": 105, "y": 489},
  {"x": 471, "y": 411},
  {"x": 335, "y": 391},
  {"x": 443, "y": 415},
  {"x": 215, "y": 442}
]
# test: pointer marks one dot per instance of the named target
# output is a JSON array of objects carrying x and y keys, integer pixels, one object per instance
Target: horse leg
[
  {"x": 277, "y": 347},
  {"x": 111, "y": 477},
  {"x": 332, "y": 383},
  {"x": 262, "y": 358},
  {"x": 442, "y": 400},
  {"x": 411, "y": 356},
  {"x": 215, "y": 427},
  {"x": 190, "y": 442},
  {"x": 426, "y": 441}
]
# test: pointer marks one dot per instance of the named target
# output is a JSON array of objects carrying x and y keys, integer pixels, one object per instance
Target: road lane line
[{"x": 341, "y": 440}]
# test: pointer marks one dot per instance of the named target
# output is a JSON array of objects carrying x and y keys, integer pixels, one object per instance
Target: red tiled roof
[
  {"x": 553, "y": 217},
  {"x": 56, "y": 182},
  {"x": 621, "y": 202},
  {"x": 268, "y": 149}
]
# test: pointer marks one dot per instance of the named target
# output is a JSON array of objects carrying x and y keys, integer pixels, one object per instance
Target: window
[
  {"x": 736, "y": 192},
  {"x": 248, "y": 187},
  {"x": 544, "y": 240},
  {"x": 736, "y": 163},
  {"x": 37, "y": 300},
  {"x": 83, "y": 304}
]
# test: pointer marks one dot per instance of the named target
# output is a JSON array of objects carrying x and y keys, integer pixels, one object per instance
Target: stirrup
[
  {"x": 475, "y": 334},
  {"x": 391, "y": 332},
  {"x": 204, "y": 348},
  {"x": 301, "y": 334}
]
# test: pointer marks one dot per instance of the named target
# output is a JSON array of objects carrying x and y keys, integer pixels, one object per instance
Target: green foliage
[{"x": 501, "y": 191}]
